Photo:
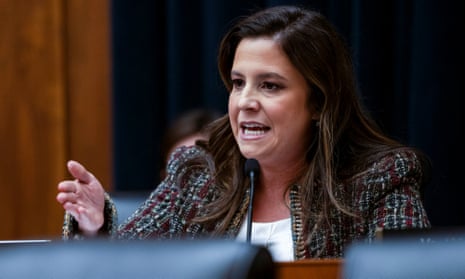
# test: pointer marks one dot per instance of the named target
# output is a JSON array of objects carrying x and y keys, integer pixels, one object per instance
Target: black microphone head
[{"x": 251, "y": 165}]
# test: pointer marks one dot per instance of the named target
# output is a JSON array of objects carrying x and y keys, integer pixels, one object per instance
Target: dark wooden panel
[
  {"x": 32, "y": 116},
  {"x": 310, "y": 268},
  {"x": 88, "y": 45},
  {"x": 37, "y": 119}
]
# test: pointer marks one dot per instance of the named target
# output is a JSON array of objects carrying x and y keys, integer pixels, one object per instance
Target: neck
[
  {"x": 271, "y": 189},
  {"x": 276, "y": 177}
]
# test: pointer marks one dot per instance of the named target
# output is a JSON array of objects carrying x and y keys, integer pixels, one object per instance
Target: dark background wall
[{"x": 409, "y": 58}]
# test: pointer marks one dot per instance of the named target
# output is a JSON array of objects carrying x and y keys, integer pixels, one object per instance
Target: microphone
[{"x": 252, "y": 170}]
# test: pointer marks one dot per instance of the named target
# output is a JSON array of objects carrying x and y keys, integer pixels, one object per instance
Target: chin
[{"x": 247, "y": 153}]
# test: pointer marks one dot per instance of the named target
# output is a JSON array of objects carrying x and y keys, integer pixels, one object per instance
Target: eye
[
  {"x": 270, "y": 86},
  {"x": 237, "y": 83}
]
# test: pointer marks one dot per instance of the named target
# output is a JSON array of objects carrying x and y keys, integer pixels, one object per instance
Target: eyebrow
[{"x": 263, "y": 75}]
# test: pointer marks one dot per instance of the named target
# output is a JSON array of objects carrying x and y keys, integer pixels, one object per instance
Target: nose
[{"x": 248, "y": 100}]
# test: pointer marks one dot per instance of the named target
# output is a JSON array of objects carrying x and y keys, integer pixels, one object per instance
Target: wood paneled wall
[{"x": 54, "y": 105}]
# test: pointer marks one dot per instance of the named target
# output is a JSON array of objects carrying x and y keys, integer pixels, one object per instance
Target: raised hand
[{"x": 83, "y": 198}]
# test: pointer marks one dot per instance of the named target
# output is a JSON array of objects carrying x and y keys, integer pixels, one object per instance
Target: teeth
[
  {"x": 252, "y": 126},
  {"x": 254, "y": 132},
  {"x": 253, "y": 129}
]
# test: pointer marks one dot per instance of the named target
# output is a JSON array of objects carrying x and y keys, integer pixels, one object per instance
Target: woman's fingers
[
  {"x": 83, "y": 198},
  {"x": 67, "y": 186},
  {"x": 72, "y": 209},
  {"x": 79, "y": 172}
]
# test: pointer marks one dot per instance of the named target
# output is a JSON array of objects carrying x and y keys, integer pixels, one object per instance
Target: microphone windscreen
[{"x": 251, "y": 165}]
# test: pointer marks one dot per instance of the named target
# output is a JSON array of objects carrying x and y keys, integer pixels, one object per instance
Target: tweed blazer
[{"x": 386, "y": 196}]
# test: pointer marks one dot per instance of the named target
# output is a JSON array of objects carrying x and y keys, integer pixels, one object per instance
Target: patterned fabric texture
[{"x": 385, "y": 196}]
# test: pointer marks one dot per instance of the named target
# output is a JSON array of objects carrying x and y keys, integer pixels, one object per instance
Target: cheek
[
  {"x": 279, "y": 112},
  {"x": 232, "y": 112},
  {"x": 230, "y": 103}
]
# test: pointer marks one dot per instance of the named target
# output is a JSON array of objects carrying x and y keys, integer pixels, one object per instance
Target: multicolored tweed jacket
[{"x": 386, "y": 195}]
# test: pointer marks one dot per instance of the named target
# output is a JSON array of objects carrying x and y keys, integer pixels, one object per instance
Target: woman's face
[{"x": 268, "y": 104}]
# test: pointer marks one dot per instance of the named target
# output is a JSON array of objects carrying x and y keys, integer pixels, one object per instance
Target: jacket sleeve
[
  {"x": 70, "y": 230},
  {"x": 169, "y": 209},
  {"x": 393, "y": 196}
]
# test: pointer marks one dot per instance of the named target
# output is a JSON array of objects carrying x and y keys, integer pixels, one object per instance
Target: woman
[{"x": 328, "y": 175}]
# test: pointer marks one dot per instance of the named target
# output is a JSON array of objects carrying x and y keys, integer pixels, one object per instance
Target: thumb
[{"x": 79, "y": 172}]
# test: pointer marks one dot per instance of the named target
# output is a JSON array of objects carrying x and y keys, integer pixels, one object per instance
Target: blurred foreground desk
[{"x": 318, "y": 268}]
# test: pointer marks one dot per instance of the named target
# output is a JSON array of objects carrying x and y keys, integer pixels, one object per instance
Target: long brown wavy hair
[{"x": 346, "y": 139}]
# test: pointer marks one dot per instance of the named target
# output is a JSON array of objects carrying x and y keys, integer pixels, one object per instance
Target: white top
[{"x": 276, "y": 236}]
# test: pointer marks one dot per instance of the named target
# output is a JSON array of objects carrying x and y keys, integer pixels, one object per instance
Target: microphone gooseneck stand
[{"x": 252, "y": 169}]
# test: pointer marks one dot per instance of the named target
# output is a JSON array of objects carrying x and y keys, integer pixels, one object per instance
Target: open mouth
[{"x": 254, "y": 129}]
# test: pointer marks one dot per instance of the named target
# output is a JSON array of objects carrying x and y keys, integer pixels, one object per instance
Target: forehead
[
  {"x": 262, "y": 53},
  {"x": 263, "y": 56}
]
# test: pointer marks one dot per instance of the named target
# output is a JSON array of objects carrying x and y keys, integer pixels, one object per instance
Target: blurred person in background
[{"x": 185, "y": 130}]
